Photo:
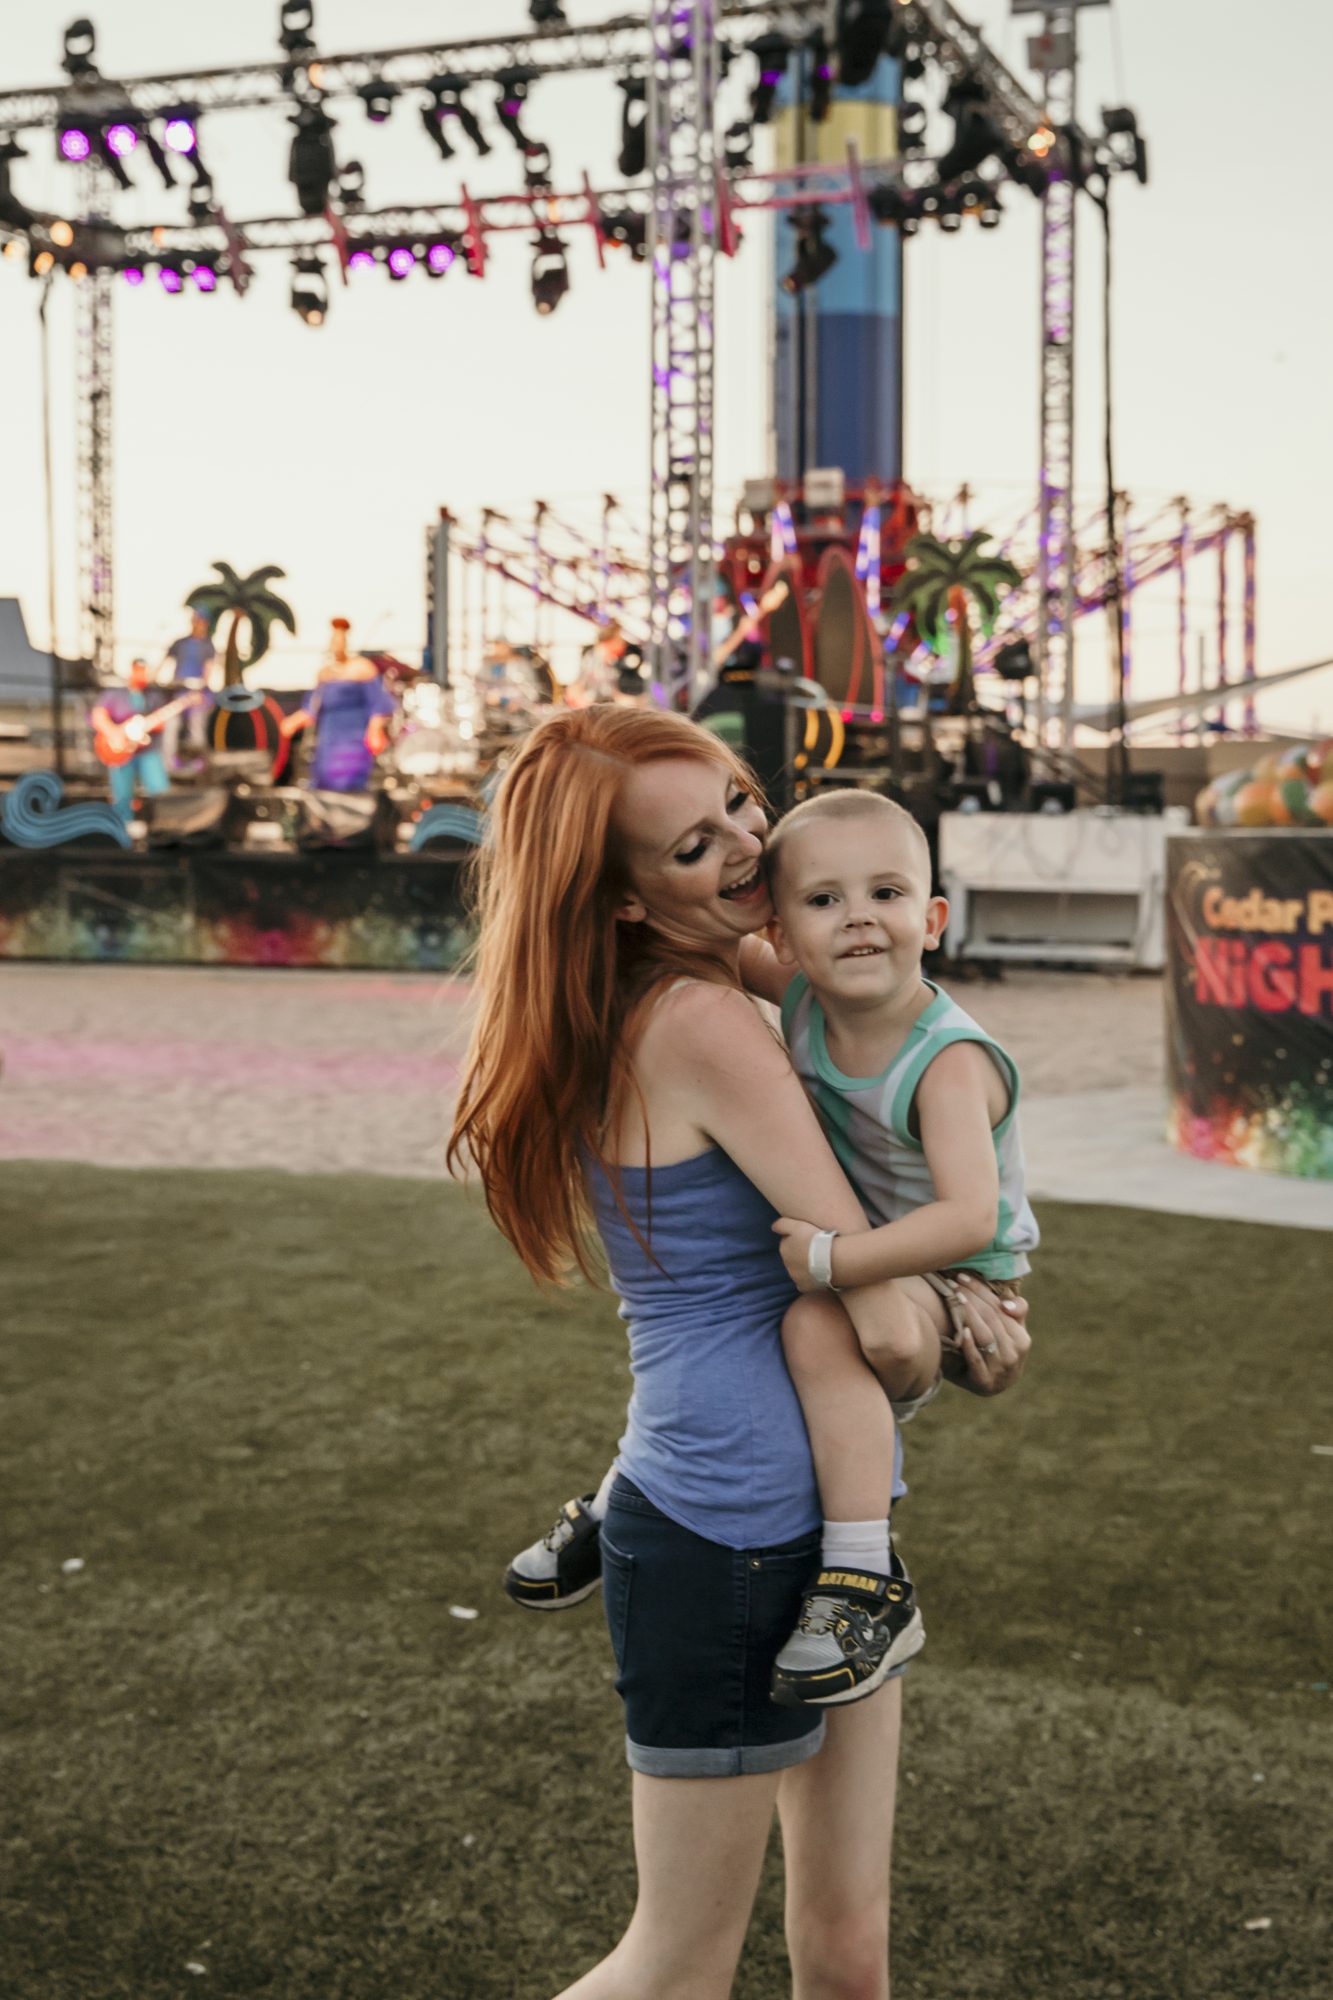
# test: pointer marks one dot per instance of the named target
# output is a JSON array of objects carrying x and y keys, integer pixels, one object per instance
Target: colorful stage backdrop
[{"x": 1250, "y": 999}]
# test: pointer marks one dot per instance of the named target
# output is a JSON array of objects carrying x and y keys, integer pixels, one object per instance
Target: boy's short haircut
[{"x": 847, "y": 803}]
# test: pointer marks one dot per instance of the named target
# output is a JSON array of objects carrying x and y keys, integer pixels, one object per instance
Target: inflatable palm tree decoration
[
  {"x": 250, "y": 602},
  {"x": 944, "y": 578}
]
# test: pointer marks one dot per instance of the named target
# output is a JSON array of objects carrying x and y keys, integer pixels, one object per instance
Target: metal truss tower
[
  {"x": 93, "y": 295},
  {"x": 682, "y": 84},
  {"x": 1055, "y": 53}
]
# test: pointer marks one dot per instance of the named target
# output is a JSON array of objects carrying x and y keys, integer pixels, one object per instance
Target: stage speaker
[
  {"x": 1052, "y": 795},
  {"x": 344, "y": 819},
  {"x": 1145, "y": 792},
  {"x": 975, "y": 795},
  {"x": 1014, "y": 662},
  {"x": 188, "y": 818}
]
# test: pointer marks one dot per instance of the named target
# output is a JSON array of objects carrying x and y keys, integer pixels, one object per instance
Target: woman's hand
[
  {"x": 994, "y": 1345},
  {"x": 776, "y": 594},
  {"x": 796, "y": 1240}
]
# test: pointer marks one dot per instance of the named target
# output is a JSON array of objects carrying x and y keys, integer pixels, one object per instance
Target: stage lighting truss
[
  {"x": 310, "y": 291},
  {"x": 550, "y": 271}
]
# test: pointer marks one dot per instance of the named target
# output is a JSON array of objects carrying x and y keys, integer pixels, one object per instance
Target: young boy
[{"x": 918, "y": 1103}]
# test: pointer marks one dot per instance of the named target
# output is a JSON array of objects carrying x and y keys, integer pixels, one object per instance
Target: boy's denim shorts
[{"x": 695, "y": 1628}]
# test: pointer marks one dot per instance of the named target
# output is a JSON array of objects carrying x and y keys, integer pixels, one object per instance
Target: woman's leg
[
  {"x": 837, "y": 1837},
  {"x": 699, "y": 1844}
]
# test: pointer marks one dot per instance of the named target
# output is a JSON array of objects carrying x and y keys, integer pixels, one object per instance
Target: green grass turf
[{"x": 287, "y": 1423}]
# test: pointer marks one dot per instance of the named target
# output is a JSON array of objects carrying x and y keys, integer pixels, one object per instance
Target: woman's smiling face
[{"x": 693, "y": 842}]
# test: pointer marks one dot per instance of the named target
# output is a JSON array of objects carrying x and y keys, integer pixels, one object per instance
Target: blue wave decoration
[
  {"x": 34, "y": 817},
  {"x": 448, "y": 823}
]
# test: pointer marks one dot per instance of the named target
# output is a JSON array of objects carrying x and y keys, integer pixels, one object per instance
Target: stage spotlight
[
  {"x": 537, "y": 169},
  {"x": 913, "y": 65},
  {"x": 296, "y": 18},
  {"x": 440, "y": 258},
  {"x": 76, "y": 143},
  {"x": 401, "y": 260},
  {"x": 550, "y": 272},
  {"x": 950, "y": 221},
  {"x": 992, "y": 212},
  {"x": 133, "y": 274},
  {"x": 180, "y": 132},
  {"x": 1122, "y": 123},
  {"x": 547, "y": 14},
  {"x": 514, "y": 84},
  {"x": 447, "y": 104},
  {"x": 78, "y": 269},
  {"x": 12, "y": 210},
  {"x": 310, "y": 293},
  {"x": 80, "y": 44},
  {"x": 378, "y": 99},
  {"x": 861, "y": 28},
  {"x": 158, "y": 158},
  {"x": 361, "y": 258},
  {"x": 61, "y": 233},
  {"x": 1030, "y": 174},
  {"x": 633, "y": 127},
  {"x": 814, "y": 256},
  {"x": 771, "y": 52},
  {"x": 204, "y": 276},
  {"x": 911, "y": 127},
  {"x": 170, "y": 277},
  {"x": 1014, "y": 662},
  {"x": 976, "y": 135},
  {"x": 351, "y": 187},
  {"x": 738, "y": 146},
  {"x": 821, "y": 77},
  {"x": 40, "y": 262},
  {"x": 628, "y": 230},
  {"x": 311, "y": 165}
]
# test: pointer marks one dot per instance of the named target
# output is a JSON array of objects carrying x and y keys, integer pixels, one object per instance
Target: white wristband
[{"x": 819, "y": 1259}]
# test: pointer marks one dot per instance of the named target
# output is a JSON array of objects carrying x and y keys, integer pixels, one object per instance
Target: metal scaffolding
[
  {"x": 682, "y": 157},
  {"x": 1056, "y": 552},
  {"x": 97, "y": 602}
]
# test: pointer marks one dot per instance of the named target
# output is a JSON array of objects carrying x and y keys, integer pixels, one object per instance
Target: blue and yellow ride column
[{"x": 838, "y": 345}]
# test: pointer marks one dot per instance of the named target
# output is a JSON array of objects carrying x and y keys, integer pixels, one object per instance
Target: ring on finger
[{"x": 993, "y": 1348}]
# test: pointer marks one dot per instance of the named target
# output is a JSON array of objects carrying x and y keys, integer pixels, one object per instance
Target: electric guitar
[{"x": 116, "y": 744}]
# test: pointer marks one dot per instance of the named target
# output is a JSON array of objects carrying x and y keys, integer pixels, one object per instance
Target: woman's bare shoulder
[{"x": 708, "y": 1026}]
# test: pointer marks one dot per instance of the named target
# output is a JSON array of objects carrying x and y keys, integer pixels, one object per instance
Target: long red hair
[{"x": 561, "y": 980}]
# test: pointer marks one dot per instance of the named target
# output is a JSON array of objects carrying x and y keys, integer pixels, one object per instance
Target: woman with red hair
[{"x": 621, "y": 1084}]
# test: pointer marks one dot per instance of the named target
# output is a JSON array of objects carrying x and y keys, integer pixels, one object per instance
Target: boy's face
[{"x": 854, "y": 908}]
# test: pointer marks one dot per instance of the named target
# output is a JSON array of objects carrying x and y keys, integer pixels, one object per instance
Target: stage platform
[{"x": 335, "y": 908}]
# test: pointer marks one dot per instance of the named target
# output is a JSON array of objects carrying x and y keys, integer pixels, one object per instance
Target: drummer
[
  {"x": 516, "y": 676},
  {"x": 348, "y": 707}
]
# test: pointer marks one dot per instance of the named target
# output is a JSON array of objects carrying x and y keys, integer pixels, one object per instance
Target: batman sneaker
[
  {"x": 564, "y": 1567},
  {"x": 855, "y": 1627}
]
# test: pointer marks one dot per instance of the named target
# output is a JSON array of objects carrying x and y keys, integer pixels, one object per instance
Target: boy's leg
[
  {"x": 858, "y": 1618},
  {"x": 902, "y": 1327},
  {"x": 564, "y": 1565},
  {"x": 850, "y": 1424}
]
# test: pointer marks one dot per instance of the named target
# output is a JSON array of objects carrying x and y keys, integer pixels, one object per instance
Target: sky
[{"x": 243, "y": 435}]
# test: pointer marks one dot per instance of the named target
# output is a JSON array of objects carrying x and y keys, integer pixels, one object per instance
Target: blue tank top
[{"x": 715, "y": 1435}]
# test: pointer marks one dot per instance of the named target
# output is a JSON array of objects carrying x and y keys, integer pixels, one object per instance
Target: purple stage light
[
  {"x": 171, "y": 281},
  {"x": 205, "y": 277},
  {"x": 74, "y": 144},
  {"x": 401, "y": 260},
  {"x": 180, "y": 135},
  {"x": 361, "y": 260},
  {"x": 121, "y": 139},
  {"x": 440, "y": 256},
  {"x": 132, "y": 274}
]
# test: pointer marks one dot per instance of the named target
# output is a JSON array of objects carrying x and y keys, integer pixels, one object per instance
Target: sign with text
[{"x": 1249, "y": 997}]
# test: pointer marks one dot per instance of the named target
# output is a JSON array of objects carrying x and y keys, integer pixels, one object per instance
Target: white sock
[
  {"x": 601, "y": 1499},
  {"x": 856, "y": 1545}
]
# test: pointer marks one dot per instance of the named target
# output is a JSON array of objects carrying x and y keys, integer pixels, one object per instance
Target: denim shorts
[{"x": 695, "y": 1628}]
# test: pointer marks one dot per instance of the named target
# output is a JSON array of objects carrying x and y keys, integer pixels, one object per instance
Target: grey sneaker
[
  {"x": 855, "y": 1627},
  {"x": 564, "y": 1567}
]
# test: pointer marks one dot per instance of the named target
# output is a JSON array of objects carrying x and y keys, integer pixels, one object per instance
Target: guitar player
[{"x": 143, "y": 774}]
